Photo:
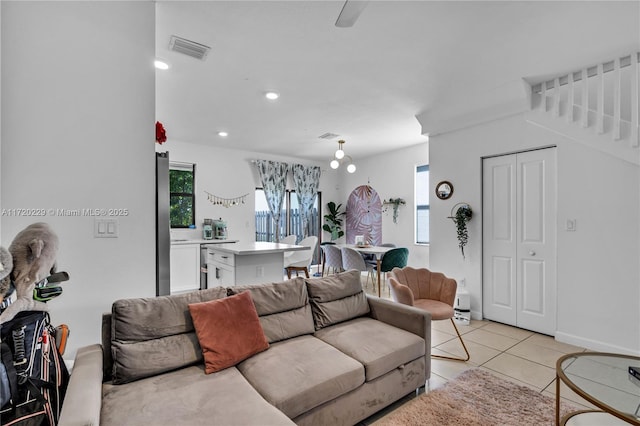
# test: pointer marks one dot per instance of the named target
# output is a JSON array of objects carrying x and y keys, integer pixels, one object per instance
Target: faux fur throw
[
  {"x": 34, "y": 252},
  {"x": 6, "y": 264}
]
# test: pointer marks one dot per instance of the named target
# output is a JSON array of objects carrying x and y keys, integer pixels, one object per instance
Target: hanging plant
[
  {"x": 395, "y": 202},
  {"x": 462, "y": 215}
]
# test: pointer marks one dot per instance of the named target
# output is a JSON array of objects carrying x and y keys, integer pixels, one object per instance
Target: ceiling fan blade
[{"x": 350, "y": 12}]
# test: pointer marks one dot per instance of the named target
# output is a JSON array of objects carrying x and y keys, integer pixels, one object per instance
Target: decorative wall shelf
[{"x": 395, "y": 202}]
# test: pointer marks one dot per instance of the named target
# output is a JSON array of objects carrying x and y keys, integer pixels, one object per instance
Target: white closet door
[
  {"x": 536, "y": 250},
  {"x": 519, "y": 240},
  {"x": 499, "y": 239}
]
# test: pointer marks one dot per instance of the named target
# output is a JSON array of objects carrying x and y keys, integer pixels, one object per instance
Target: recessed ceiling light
[
  {"x": 223, "y": 134},
  {"x": 272, "y": 95},
  {"x": 160, "y": 64}
]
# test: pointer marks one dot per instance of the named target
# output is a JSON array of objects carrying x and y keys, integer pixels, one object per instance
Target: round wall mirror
[{"x": 444, "y": 190}]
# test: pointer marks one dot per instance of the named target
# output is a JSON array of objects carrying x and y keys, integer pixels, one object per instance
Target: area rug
[{"x": 476, "y": 398}]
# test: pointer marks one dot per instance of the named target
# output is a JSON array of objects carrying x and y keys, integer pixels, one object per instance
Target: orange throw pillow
[{"x": 228, "y": 330}]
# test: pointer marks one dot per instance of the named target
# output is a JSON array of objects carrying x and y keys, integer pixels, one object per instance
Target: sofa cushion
[
  {"x": 188, "y": 397},
  {"x": 298, "y": 374},
  {"x": 378, "y": 346},
  {"x": 337, "y": 298},
  {"x": 154, "y": 335},
  {"x": 228, "y": 330},
  {"x": 283, "y": 308}
]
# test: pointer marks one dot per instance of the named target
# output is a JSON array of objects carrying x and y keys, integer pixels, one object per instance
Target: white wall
[
  {"x": 0, "y": 119},
  {"x": 78, "y": 132},
  {"x": 392, "y": 175},
  {"x": 598, "y": 272},
  {"x": 229, "y": 174}
]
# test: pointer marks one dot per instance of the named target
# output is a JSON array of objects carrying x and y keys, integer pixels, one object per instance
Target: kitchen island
[
  {"x": 188, "y": 262},
  {"x": 247, "y": 263}
]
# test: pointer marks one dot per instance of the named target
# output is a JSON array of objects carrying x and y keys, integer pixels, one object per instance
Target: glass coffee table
[{"x": 603, "y": 379}]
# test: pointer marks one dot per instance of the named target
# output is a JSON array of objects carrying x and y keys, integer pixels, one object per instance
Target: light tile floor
[{"x": 517, "y": 355}]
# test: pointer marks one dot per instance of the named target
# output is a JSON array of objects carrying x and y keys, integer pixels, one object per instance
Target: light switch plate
[{"x": 105, "y": 228}]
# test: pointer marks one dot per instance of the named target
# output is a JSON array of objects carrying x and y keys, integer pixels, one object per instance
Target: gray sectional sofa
[{"x": 335, "y": 357}]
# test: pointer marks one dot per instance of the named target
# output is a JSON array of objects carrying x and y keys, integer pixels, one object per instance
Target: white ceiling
[{"x": 368, "y": 82}]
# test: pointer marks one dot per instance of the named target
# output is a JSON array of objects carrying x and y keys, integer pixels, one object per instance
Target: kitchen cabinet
[
  {"x": 220, "y": 268},
  {"x": 184, "y": 267}
]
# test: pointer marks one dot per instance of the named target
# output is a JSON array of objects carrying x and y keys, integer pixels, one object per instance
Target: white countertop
[
  {"x": 201, "y": 241},
  {"x": 258, "y": 247}
]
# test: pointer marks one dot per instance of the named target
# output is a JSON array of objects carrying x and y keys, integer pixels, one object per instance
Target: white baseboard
[{"x": 594, "y": 345}]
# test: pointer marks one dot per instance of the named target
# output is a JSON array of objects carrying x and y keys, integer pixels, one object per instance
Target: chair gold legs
[{"x": 463, "y": 346}]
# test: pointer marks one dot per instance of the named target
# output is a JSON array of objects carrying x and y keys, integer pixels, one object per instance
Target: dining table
[{"x": 378, "y": 251}]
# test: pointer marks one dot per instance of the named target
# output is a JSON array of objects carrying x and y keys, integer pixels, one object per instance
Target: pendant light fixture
[
  {"x": 340, "y": 151},
  {"x": 340, "y": 157}
]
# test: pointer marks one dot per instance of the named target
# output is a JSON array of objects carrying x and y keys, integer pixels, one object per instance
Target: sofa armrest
[
  {"x": 408, "y": 318},
  {"x": 83, "y": 400}
]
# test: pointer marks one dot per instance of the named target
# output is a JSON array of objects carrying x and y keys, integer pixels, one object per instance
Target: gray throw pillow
[
  {"x": 283, "y": 308},
  {"x": 154, "y": 335},
  {"x": 336, "y": 298}
]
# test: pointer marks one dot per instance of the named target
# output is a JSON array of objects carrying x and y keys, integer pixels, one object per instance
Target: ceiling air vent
[
  {"x": 328, "y": 136},
  {"x": 188, "y": 47}
]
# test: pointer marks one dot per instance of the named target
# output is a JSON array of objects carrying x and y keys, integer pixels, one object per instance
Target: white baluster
[
  {"x": 570, "y": 99},
  {"x": 585, "y": 98},
  {"x": 635, "y": 94},
  {"x": 556, "y": 97},
  {"x": 616, "y": 99},
  {"x": 600, "y": 108}
]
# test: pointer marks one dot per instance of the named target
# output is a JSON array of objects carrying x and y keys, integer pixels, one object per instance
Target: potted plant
[
  {"x": 333, "y": 220},
  {"x": 462, "y": 215}
]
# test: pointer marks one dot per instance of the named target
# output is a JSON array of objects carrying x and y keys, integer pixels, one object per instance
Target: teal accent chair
[{"x": 394, "y": 258}]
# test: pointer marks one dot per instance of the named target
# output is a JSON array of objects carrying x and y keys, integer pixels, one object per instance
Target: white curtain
[
  {"x": 306, "y": 181},
  {"x": 273, "y": 175}
]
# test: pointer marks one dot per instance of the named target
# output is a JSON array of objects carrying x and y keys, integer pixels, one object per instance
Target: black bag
[{"x": 34, "y": 371}]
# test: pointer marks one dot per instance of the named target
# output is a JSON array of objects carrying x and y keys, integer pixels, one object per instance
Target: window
[
  {"x": 295, "y": 218},
  {"x": 422, "y": 204},
  {"x": 290, "y": 219},
  {"x": 265, "y": 231},
  {"x": 182, "y": 200}
]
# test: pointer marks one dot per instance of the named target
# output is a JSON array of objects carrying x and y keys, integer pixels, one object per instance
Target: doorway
[{"x": 519, "y": 239}]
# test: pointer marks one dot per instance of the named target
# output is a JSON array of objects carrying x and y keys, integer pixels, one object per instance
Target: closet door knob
[{"x": 532, "y": 253}]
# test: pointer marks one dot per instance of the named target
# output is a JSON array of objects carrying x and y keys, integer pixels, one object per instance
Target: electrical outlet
[{"x": 571, "y": 225}]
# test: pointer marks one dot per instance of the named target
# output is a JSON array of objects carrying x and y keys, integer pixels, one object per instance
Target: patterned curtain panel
[
  {"x": 306, "y": 181},
  {"x": 273, "y": 175}
]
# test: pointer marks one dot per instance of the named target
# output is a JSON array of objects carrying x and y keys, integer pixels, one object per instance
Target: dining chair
[
  {"x": 352, "y": 259},
  {"x": 371, "y": 258},
  {"x": 289, "y": 239},
  {"x": 300, "y": 260},
  {"x": 332, "y": 258},
  {"x": 431, "y": 291},
  {"x": 394, "y": 258}
]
